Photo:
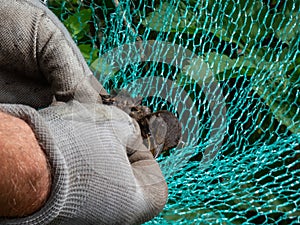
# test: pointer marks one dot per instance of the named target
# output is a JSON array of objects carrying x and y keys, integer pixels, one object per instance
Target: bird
[{"x": 161, "y": 130}]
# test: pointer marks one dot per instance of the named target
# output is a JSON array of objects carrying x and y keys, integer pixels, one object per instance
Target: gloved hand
[
  {"x": 38, "y": 58},
  {"x": 102, "y": 173}
]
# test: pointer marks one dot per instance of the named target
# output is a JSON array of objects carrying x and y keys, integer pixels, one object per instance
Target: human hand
[
  {"x": 25, "y": 176},
  {"x": 101, "y": 171}
]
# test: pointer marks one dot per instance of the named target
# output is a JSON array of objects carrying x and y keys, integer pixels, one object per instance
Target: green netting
[{"x": 229, "y": 70}]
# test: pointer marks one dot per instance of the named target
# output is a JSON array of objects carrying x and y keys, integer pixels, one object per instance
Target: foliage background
[{"x": 253, "y": 49}]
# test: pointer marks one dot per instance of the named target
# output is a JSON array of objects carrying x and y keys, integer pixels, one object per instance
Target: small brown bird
[
  {"x": 123, "y": 100},
  {"x": 160, "y": 130}
]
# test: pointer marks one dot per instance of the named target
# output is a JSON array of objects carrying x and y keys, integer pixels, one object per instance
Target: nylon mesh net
[{"x": 229, "y": 70}]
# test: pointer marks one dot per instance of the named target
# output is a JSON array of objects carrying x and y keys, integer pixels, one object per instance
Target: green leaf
[
  {"x": 220, "y": 66},
  {"x": 287, "y": 27},
  {"x": 102, "y": 68},
  {"x": 77, "y": 23},
  {"x": 281, "y": 96},
  {"x": 224, "y": 67},
  {"x": 88, "y": 52},
  {"x": 198, "y": 69},
  {"x": 172, "y": 18}
]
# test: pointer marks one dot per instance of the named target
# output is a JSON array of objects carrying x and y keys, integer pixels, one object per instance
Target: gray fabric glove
[
  {"x": 102, "y": 173},
  {"x": 38, "y": 58}
]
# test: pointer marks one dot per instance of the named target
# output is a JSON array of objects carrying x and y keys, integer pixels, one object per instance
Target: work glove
[
  {"x": 38, "y": 58},
  {"x": 101, "y": 171}
]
